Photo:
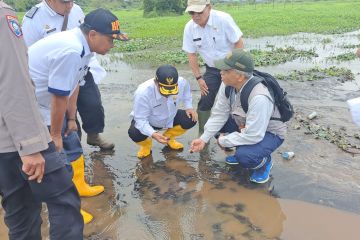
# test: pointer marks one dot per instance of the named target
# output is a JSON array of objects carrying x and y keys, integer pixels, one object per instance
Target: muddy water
[{"x": 178, "y": 195}]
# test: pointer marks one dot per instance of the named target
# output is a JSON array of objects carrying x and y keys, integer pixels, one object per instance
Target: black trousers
[
  {"x": 180, "y": 119},
  {"x": 212, "y": 78},
  {"x": 21, "y": 199},
  {"x": 90, "y": 106}
]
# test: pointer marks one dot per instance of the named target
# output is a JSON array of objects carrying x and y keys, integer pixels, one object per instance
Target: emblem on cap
[
  {"x": 115, "y": 26},
  {"x": 14, "y": 25},
  {"x": 169, "y": 80},
  {"x": 241, "y": 66}
]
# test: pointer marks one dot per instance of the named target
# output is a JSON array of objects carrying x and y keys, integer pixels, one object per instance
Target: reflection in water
[{"x": 181, "y": 205}]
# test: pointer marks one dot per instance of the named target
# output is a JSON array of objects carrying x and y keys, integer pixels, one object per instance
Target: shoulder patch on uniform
[
  {"x": 14, "y": 25},
  {"x": 31, "y": 13}
]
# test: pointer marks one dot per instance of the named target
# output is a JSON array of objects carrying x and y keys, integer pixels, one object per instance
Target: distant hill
[{"x": 24, "y": 5}]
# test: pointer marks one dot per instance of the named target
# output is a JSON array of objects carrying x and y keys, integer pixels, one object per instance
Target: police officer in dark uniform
[{"x": 31, "y": 170}]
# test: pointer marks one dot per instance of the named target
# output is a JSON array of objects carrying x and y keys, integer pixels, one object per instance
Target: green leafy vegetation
[
  {"x": 350, "y": 46},
  {"x": 314, "y": 74},
  {"x": 154, "y": 8},
  {"x": 343, "y": 57},
  {"x": 280, "y": 55}
]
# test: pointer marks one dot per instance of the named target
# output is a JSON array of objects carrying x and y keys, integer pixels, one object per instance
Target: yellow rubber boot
[
  {"x": 86, "y": 216},
  {"x": 145, "y": 148},
  {"x": 84, "y": 189},
  {"x": 172, "y": 133}
]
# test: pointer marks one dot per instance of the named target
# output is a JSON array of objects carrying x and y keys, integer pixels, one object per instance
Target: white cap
[{"x": 196, "y": 5}]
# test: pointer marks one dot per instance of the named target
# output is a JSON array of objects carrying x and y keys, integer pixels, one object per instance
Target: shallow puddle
[{"x": 178, "y": 195}]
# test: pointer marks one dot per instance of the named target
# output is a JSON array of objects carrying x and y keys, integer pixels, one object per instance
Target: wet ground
[{"x": 178, "y": 195}]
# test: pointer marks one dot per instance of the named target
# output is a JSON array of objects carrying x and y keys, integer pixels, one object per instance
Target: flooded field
[{"x": 178, "y": 195}]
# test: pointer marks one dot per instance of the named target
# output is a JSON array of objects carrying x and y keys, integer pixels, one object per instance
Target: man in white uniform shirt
[
  {"x": 156, "y": 104},
  {"x": 212, "y": 34},
  {"x": 52, "y": 16},
  {"x": 57, "y": 64}
]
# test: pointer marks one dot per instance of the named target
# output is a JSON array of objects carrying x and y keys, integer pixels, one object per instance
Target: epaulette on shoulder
[
  {"x": 31, "y": 13},
  {"x": 4, "y": 5}
]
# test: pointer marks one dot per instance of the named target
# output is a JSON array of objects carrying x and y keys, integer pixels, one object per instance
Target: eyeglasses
[
  {"x": 193, "y": 13},
  {"x": 66, "y": 2}
]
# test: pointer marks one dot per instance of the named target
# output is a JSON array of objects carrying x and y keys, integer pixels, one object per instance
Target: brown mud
[{"x": 178, "y": 195}]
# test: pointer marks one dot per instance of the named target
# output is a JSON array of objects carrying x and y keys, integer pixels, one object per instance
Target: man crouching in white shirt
[{"x": 156, "y": 105}]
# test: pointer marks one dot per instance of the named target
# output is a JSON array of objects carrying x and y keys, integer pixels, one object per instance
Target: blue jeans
[{"x": 252, "y": 156}]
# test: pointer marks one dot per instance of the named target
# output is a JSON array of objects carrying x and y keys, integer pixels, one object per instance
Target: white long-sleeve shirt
[
  {"x": 258, "y": 116},
  {"x": 151, "y": 109}
]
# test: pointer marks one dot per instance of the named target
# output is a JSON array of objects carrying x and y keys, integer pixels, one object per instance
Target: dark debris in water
[
  {"x": 198, "y": 236},
  {"x": 239, "y": 207},
  {"x": 338, "y": 137}
]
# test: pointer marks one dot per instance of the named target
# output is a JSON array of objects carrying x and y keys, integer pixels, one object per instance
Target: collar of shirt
[
  {"x": 82, "y": 38},
  {"x": 50, "y": 10}
]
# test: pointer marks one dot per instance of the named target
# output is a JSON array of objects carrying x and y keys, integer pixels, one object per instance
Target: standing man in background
[
  {"x": 52, "y": 16},
  {"x": 212, "y": 34},
  {"x": 31, "y": 170}
]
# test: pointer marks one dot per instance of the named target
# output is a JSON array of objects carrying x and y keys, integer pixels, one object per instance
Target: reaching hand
[
  {"x": 34, "y": 166},
  {"x": 358, "y": 52},
  {"x": 160, "y": 138},
  {"x": 192, "y": 114},
  {"x": 197, "y": 145},
  {"x": 203, "y": 87}
]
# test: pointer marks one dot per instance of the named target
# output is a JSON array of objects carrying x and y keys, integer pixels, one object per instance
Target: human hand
[
  {"x": 203, "y": 87},
  {"x": 34, "y": 166},
  {"x": 197, "y": 145},
  {"x": 58, "y": 142},
  {"x": 358, "y": 52},
  {"x": 192, "y": 114},
  {"x": 160, "y": 138},
  {"x": 71, "y": 127}
]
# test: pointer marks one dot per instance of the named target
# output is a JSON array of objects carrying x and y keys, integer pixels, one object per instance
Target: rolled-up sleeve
[{"x": 61, "y": 82}]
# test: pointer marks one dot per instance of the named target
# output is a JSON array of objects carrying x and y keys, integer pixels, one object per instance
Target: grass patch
[
  {"x": 315, "y": 74},
  {"x": 265, "y": 20},
  {"x": 280, "y": 55},
  {"x": 343, "y": 57},
  {"x": 160, "y": 53},
  {"x": 350, "y": 46},
  {"x": 326, "y": 41}
]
